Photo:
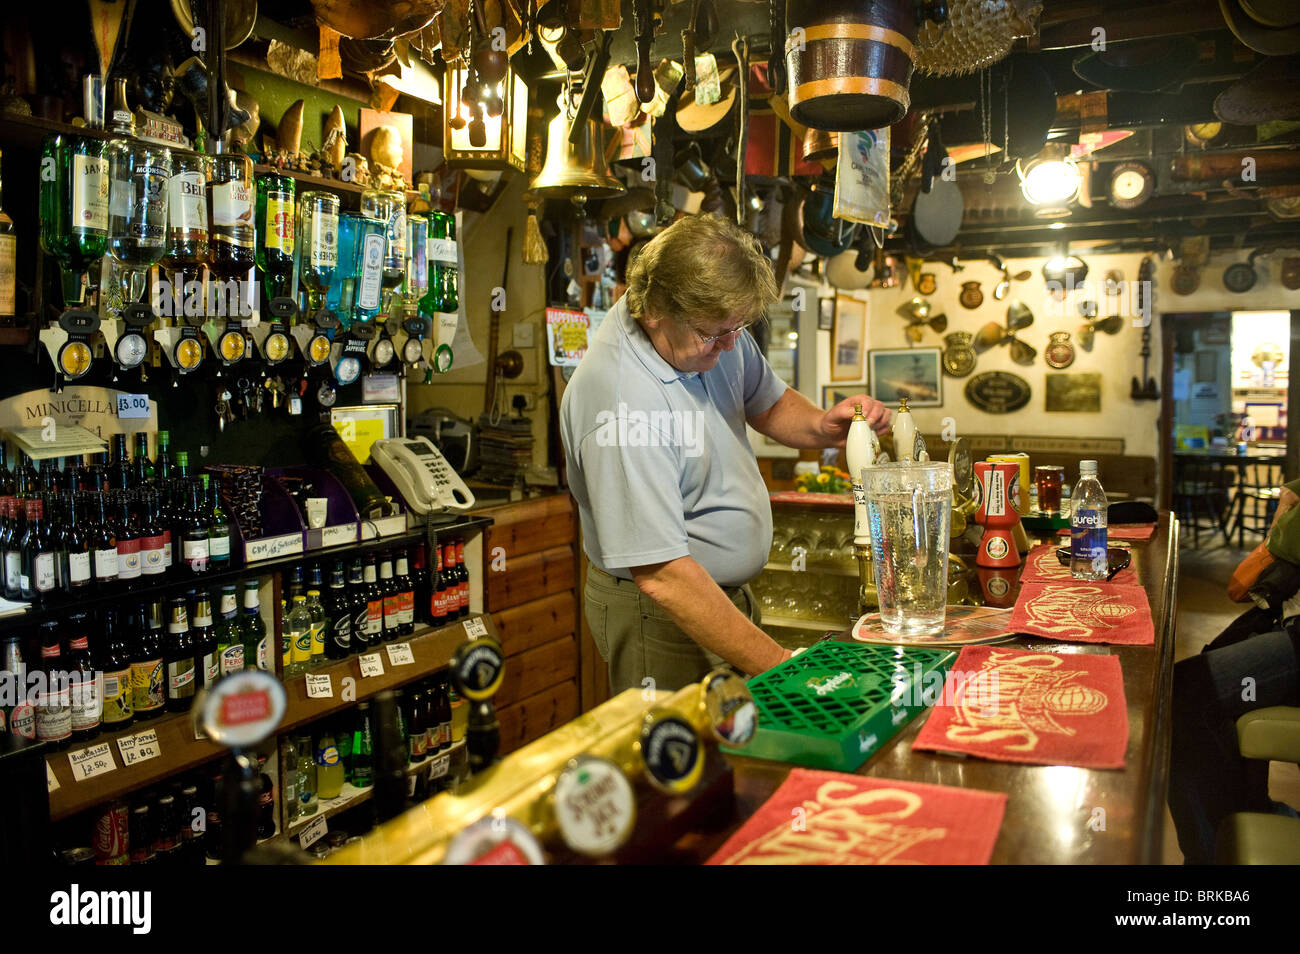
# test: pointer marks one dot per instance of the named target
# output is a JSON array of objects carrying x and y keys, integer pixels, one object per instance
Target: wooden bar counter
[{"x": 1055, "y": 814}]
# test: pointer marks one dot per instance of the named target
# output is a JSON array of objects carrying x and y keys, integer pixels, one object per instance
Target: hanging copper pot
[{"x": 850, "y": 62}]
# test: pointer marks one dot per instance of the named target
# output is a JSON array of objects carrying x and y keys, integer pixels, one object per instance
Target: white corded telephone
[{"x": 422, "y": 474}]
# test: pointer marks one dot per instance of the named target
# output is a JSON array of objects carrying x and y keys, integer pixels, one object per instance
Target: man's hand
[{"x": 835, "y": 423}]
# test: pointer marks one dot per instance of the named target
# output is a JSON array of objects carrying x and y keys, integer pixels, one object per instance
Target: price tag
[
  {"x": 268, "y": 548},
  {"x": 51, "y": 782},
  {"x": 90, "y": 762},
  {"x": 338, "y": 534},
  {"x": 320, "y": 686},
  {"x": 372, "y": 664},
  {"x": 440, "y": 766},
  {"x": 137, "y": 748},
  {"x": 399, "y": 654},
  {"x": 474, "y": 628},
  {"x": 312, "y": 833},
  {"x": 133, "y": 405}
]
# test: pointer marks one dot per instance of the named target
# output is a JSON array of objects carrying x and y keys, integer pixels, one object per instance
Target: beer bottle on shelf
[
  {"x": 207, "y": 658},
  {"x": 374, "y": 605},
  {"x": 141, "y": 466},
  {"x": 75, "y": 552},
  {"x": 444, "y": 713},
  {"x": 319, "y": 621},
  {"x": 20, "y": 718},
  {"x": 462, "y": 572},
  {"x": 459, "y": 714},
  {"x": 362, "y": 757},
  {"x": 297, "y": 624},
  {"x": 103, "y": 544},
  {"x": 179, "y": 656},
  {"x": 195, "y": 541},
  {"x": 438, "y": 591},
  {"x": 257, "y": 648},
  {"x": 148, "y": 693},
  {"x": 416, "y": 726},
  {"x": 339, "y": 615},
  {"x": 388, "y": 591},
  {"x": 54, "y": 698},
  {"x": 141, "y": 834},
  {"x": 218, "y": 527},
  {"x": 405, "y": 597},
  {"x": 167, "y": 831},
  {"x": 119, "y": 708},
  {"x": 230, "y": 642},
  {"x": 127, "y": 537},
  {"x": 153, "y": 544},
  {"x": 420, "y": 585},
  {"x": 359, "y": 606},
  {"x": 192, "y": 834},
  {"x": 295, "y": 583},
  {"x": 84, "y": 685},
  {"x": 432, "y": 727},
  {"x": 453, "y": 582}
]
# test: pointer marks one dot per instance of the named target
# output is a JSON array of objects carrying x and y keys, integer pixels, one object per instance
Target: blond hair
[{"x": 702, "y": 270}]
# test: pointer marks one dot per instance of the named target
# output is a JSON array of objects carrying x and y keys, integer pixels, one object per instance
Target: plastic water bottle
[{"x": 1088, "y": 558}]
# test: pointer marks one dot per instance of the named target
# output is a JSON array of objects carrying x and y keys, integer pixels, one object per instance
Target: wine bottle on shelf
[
  {"x": 163, "y": 464},
  {"x": 6, "y": 475},
  {"x": 119, "y": 468},
  {"x": 127, "y": 537},
  {"x": 153, "y": 543},
  {"x": 218, "y": 527},
  {"x": 195, "y": 546},
  {"x": 11, "y": 548},
  {"x": 103, "y": 544},
  {"x": 75, "y": 553},
  {"x": 39, "y": 570}
]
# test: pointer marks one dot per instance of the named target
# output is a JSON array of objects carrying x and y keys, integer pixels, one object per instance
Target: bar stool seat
[{"x": 1260, "y": 838}]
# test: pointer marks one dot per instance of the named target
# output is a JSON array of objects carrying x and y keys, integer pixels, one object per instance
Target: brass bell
[
  {"x": 574, "y": 171},
  {"x": 819, "y": 144}
]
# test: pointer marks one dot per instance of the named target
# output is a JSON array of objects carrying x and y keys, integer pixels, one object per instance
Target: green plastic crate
[{"x": 836, "y": 704}]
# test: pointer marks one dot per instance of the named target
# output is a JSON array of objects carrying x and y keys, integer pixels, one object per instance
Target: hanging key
[{"x": 223, "y": 410}]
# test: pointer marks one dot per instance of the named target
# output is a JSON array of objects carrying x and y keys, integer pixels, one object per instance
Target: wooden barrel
[{"x": 850, "y": 62}]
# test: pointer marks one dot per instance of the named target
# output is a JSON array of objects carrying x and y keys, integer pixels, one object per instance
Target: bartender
[{"x": 675, "y": 517}]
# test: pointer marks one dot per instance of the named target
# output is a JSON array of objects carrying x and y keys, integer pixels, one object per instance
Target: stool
[
  {"x": 1255, "y": 501},
  {"x": 1258, "y": 838},
  {"x": 1198, "y": 491}
]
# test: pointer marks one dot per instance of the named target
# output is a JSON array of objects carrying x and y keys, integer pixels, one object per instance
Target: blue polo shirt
[{"x": 658, "y": 459}]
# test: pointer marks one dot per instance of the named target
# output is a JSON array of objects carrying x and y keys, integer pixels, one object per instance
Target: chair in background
[
  {"x": 1260, "y": 838},
  {"x": 1201, "y": 497},
  {"x": 1131, "y": 511},
  {"x": 1255, "y": 501}
]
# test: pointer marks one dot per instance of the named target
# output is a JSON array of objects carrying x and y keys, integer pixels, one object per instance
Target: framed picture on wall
[
  {"x": 825, "y": 314},
  {"x": 833, "y": 394},
  {"x": 848, "y": 339},
  {"x": 912, "y": 373}
]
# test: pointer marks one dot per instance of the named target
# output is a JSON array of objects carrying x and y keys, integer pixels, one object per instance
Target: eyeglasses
[{"x": 709, "y": 339}]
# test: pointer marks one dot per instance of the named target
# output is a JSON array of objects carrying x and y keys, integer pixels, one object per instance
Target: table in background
[{"x": 1225, "y": 472}]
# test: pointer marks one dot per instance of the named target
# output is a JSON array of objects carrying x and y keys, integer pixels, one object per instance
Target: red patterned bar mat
[
  {"x": 1042, "y": 708},
  {"x": 828, "y": 818},
  {"x": 1043, "y": 566},
  {"x": 1085, "y": 612},
  {"x": 1140, "y": 532}
]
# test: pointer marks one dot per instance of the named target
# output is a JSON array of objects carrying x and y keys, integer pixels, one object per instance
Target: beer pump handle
[{"x": 478, "y": 666}]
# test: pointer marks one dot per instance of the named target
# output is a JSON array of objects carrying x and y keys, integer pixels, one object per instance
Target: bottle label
[
  {"x": 327, "y": 755},
  {"x": 152, "y": 561},
  {"x": 90, "y": 193},
  {"x": 79, "y": 568},
  {"x": 22, "y": 720},
  {"x": 118, "y": 697},
  {"x": 180, "y": 678},
  {"x": 392, "y": 612},
  {"x": 148, "y": 226},
  {"x": 302, "y": 646},
  {"x": 279, "y": 221},
  {"x": 106, "y": 564},
  {"x": 342, "y": 631},
  {"x": 219, "y": 547},
  {"x": 187, "y": 207},
  {"x": 147, "y": 689},
  {"x": 443, "y": 251},
  {"x": 13, "y": 570},
  {"x": 211, "y": 668},
  {"x": 464, "y": 595},
  {"x": 406, "y": 607},
  {"x": 263, "y": 654},
  {"x": 228, "y": 605},
  {"x": 232, "y": 659},
  {"x": 372, "y": 263},
  {"x": 397, "y": 234},
  {"x": 318, "y": 638},
  {"x": 53, "y": 715},
  {"x": 196, "y": 555},
  {"x": 324, "y": 240},
  {"x": 1088, "y": 541},
  {"x": 128, "y": 559},
  {"x": 374, "y": 617},
  {"x": 8, "y": 272},
  {"x": 43, "y": 569},
  {"x": 167, "y": 549},
  {"x": 232, "y": 209},
  {"x": 85, "y": 694},
  {"x": 179, "y": 622}
]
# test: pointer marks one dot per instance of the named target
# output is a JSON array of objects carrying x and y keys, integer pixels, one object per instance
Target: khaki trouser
[{"x": 639, "y": 640}]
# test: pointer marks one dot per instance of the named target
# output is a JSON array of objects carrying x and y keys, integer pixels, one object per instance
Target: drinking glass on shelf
[
  {"x": 74, "y": 208},
  {"x": 137, "y": 209}
]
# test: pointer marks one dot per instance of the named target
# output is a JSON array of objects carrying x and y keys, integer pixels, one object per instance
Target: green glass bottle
[
  {"x": 443, "y": 294},
  {"x": 74, "y": 207},
  {"x": 218, "y": 526},
  {"x": 230, "y": 641},
  {"x": 363, "y": 768},
  {"x": 257, "y": 650},
  {"x": 275, "y": 232}
]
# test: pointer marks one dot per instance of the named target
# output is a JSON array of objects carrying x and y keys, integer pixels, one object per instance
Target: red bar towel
[
  {"x": 828, "y": 818},
  {"x": 1043, "y": 566},
  {"x": 1124, "y": 531},
  {"x": 1043, "y": 708},
  {"x": 1083, "y": 612}
]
